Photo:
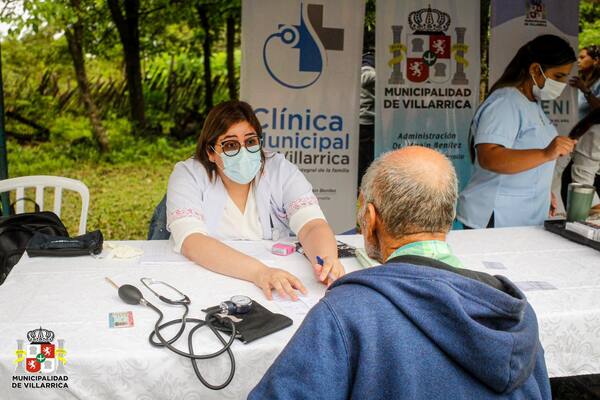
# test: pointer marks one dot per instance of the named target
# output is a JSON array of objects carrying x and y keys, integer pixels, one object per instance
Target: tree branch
[{"x": 42, "y": 133}]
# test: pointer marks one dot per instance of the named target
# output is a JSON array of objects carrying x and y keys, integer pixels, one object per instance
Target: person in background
[
  {"x": 420, "y": 326},
  {"x": 515, "y": 145},
  {"x": 586, "y": 157},
  {"x": 234, "y": 190},
  {"x": 366, "y": 147}
]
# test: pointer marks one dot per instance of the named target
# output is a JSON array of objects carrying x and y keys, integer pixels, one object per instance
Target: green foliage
[
  {"x": 589, "y": 23},
  {"x": 370, "y": 15},
  {"x": 125, "y": 184},
  {"x": 39, "y": 78},
  {"x": 36, "y": 159},
  {"x": 70, "y": 128}
]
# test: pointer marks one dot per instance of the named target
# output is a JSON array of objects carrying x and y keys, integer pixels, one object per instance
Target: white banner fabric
[
  {"x": 427, "y": 90},
  {"x": 514, "y": 23},
  {"x": 301, "y": 74}
]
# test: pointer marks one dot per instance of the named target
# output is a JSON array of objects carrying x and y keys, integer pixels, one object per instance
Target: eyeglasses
[{"x": 231, "y": 148}]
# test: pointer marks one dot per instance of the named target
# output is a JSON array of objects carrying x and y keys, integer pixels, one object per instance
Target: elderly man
[{"x": 420, "y": 326}]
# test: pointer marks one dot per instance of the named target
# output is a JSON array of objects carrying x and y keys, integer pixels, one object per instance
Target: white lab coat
[{"x": 284, "y": 199}]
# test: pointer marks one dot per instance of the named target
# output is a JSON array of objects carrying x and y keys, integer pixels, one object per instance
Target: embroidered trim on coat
[{"x": 300, "y": 203}]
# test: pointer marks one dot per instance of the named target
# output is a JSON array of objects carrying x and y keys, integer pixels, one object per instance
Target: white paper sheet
[{"x": 299, "y": 307}]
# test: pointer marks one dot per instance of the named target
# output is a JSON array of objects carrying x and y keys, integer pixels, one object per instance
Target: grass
[{"x": 124, "y": 188}]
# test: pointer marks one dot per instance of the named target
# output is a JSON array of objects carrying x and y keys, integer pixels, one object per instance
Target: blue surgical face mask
[{"x": 242, "y": 167}]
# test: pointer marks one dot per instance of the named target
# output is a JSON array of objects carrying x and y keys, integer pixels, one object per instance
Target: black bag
[
  {"x": 44, "y": 245},
  {"x": 257, "y": 323},
  {"x": 17, "y": 230}
]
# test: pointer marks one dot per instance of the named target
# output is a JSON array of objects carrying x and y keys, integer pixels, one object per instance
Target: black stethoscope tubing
[{"x": 191, "y": 355}]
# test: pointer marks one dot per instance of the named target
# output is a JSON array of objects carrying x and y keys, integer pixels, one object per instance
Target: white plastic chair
[{"x": 39, "y": 182}]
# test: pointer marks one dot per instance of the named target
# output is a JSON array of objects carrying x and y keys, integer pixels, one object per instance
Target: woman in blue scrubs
[
  {"x": 586, "y": 158},
  {"x": 516, "y": 145}
]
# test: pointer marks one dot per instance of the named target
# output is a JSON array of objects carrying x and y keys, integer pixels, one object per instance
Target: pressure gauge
[{"x": 236, "y": 305}]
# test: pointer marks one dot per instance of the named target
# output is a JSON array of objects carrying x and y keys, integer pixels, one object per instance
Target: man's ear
[
  {"x": 371, "y": 220},
  {"x": 358, "y": 211}
]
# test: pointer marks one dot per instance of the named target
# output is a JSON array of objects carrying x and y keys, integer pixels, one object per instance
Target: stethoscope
[
  {"x": 184, "y": 301},
  {"x": 237, "y": 304}
]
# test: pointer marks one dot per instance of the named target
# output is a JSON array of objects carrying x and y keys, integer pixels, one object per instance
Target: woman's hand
[
  {"x": 590, "y": 97},
  {"x": 331, "y": 270},
  {"x": 560, "y": 146},
  {"x": 553, "y": 205},
  {"x": 282, "y": 281},
  {"x": 576, "y": 82}
]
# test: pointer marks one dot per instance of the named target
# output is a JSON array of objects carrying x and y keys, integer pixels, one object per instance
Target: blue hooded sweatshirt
[{"x": 402, "y": 331}]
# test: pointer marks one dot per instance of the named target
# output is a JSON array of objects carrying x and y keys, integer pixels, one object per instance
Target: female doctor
[
  {"x": 233, "y": 190},
  {"x": 516, "y": 144}
]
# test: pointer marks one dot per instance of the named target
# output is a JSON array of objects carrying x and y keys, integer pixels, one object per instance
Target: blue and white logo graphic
[{"x": 295, "y": 56}]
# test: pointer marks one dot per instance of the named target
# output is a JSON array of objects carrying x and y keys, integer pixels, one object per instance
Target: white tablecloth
[{"x": 71, "y": 298}]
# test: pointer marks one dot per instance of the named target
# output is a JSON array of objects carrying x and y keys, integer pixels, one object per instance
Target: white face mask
[{"x": 552, "y": 89}]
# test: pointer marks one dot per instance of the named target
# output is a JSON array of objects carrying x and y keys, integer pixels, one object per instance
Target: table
[{"x": 71, "y": 298}]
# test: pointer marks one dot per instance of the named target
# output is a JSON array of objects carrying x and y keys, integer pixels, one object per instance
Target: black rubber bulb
[{"x": 130, "y": 294}]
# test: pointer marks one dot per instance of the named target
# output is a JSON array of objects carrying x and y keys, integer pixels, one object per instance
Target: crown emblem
[
  {"x": 40, "y": 336},
  {"x": 428, "y": 21}
]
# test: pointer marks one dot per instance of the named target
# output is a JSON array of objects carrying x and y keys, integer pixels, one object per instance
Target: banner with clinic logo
[
  {"x": 514, "y": 23},
  {"x": 427, "y": 90},
  {"x": 301, "y": 74}
]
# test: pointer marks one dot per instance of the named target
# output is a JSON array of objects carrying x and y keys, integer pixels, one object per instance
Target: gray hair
[{"x": 408, "y": 198}]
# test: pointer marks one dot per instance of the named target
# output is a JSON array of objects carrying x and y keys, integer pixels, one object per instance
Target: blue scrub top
[
  {"x": 584, "y": 106},
  {"x": 510, "y": 119}
]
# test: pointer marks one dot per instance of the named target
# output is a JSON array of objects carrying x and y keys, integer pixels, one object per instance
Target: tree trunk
[
  {"x": 206, "y": 43},
  {"x": 170, "y": 85},
  {"x": 74, "y": 37},
  {"x": 485, "y": 42},
  {"x": 231, "y": 81},
  {"x": 4, "y": 197},
  {"x": 129, "y": 33}
]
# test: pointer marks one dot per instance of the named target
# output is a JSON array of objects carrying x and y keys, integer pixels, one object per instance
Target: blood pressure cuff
[
  {"x": 43, "y": 245},
  {"x": 255, "y": 324}
]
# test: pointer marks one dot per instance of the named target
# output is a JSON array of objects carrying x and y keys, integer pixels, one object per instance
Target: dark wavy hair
[
  {"x": 547, "y": 50},
  {"x": 218, "y": 121},
  {"x": 592, "y": 76}
]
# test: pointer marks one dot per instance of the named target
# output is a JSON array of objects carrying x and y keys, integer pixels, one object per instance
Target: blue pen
[{"x": 320, "y": 261}]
